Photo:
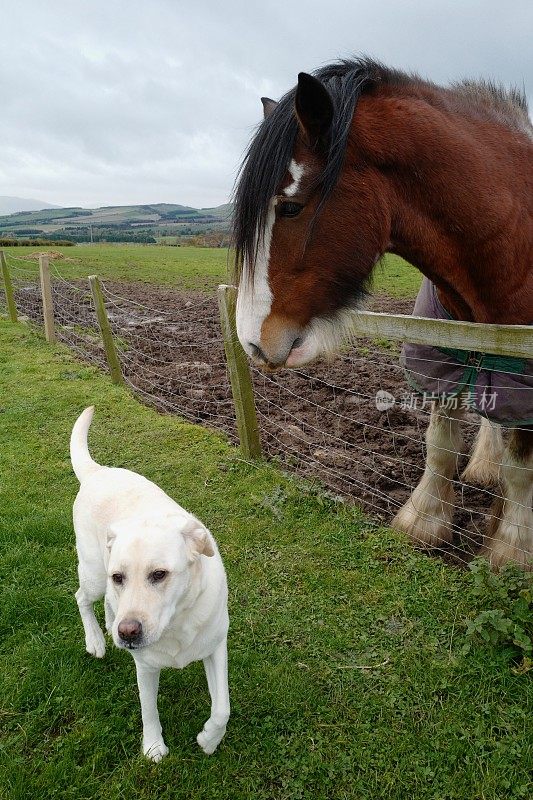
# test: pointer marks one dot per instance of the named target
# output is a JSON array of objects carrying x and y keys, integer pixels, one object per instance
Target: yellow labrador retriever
[{"x": 163, "y": 580}]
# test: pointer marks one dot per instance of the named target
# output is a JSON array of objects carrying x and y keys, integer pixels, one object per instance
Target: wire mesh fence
[
  {"x": 352, "y": 424},
  {"x": 172, "y": 354}
]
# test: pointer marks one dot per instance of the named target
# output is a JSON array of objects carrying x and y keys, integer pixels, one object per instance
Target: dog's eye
[
  {"x": 158, "y": 575},
  {"x": 117, "y": 577}
]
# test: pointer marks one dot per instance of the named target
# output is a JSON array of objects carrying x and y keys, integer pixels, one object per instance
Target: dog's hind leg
[
  {"x": 89, "y": 592},
  {"x": 154, "y": 746},
  {"x": 216, "y": 670}
]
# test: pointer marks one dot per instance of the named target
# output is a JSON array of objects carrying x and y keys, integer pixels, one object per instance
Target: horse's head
[{"x": 311, "y": 222}]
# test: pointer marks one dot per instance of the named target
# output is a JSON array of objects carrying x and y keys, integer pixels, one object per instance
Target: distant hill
[
  {"x": 10, "y": 205},
  {"x": 140, "y": 223}
]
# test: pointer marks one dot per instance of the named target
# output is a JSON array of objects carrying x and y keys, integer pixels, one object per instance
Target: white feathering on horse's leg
[
  {"x": 483, "y": 468},
  {"x": 510, "y": 533},
  {"x": 427, "y": 516}
]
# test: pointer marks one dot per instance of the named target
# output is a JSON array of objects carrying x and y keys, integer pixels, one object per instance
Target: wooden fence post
[
  {"x": 105, "y": 329},
  {"x": 48, "y": 303},
  {"x": 240, "y": 376},
  {"x": 8, "y": 288}
]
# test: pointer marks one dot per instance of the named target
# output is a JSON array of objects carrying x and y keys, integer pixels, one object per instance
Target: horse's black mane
[{"x": 268, "y": 156}]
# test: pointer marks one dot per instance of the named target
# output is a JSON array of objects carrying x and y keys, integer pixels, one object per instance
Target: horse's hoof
[
  {"x": 427, "y": 528},
  {"x": 499, "y": 553}
]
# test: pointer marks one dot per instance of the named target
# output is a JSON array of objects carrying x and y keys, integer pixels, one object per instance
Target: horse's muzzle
[{"x": 275, "y": 359}]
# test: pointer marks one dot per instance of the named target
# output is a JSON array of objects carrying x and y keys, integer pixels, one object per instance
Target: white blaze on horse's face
[
  {"x": 254, "y": 303},
  {"x": 254, "y": 299},
  {"x": 297, "y": 172}
]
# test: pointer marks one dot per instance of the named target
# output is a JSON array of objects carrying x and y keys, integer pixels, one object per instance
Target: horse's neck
[
  {"x": 490, "y": 282},
  {"x": 461, "y": 210},
  {"x": 480, "y": 281},
  {"x": 418, "y": 245}
]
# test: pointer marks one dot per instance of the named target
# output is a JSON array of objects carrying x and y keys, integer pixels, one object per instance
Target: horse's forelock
[
  {"x": 262, "y": 170},
  {"x": 269, "y": 153}
]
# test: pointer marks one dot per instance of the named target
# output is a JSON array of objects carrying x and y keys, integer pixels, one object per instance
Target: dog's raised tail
[{"x": 82, "y": 463}]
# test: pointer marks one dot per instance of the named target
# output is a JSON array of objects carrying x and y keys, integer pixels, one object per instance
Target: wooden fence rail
[{"x": 500, "y": 340}]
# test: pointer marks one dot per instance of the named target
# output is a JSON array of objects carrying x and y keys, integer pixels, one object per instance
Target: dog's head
[{"x": 152, "y": 565}]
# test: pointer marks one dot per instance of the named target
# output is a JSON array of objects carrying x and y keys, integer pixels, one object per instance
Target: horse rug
[{"x": 497, "y": 387}]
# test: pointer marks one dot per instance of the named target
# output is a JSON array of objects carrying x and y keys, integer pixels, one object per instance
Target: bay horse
[{"x": 359, "y": 160}]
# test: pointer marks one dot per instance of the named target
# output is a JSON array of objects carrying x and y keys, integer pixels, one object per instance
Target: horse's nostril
[
  {"x": 297, "y": 342},
  {"x": 257, "y": 352},
  {"x": 129, "y": 630}
]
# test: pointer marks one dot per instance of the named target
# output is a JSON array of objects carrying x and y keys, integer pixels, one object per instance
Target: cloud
[{"x": 124, "y": 102}]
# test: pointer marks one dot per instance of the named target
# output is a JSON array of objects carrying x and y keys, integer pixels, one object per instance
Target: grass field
[
  {"x": 189, "y": 267},
  {"x": 346, "y": 675}
]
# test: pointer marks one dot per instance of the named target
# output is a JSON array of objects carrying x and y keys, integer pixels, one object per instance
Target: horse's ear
[
  {"x": 314, "y": 108},
  {"x": 268, "y": 106}
]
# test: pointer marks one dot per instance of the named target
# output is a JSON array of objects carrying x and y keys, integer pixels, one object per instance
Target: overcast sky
[{"x": 112, "y": 102}]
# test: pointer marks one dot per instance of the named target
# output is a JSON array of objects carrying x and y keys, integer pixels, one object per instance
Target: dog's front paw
[
  {"x": 95, "y": 642},
  {"x": 155, "y": 750},
  {"x": 210, "y": 737}
]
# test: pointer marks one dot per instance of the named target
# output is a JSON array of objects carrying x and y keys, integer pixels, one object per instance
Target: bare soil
[{"x": 321, "y": 422}]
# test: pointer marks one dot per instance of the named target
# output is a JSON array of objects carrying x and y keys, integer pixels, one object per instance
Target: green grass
[
  {"x": 190, "y": 267},
  {"x": 396, "y": 277},
  {"x": 187, "y": 267},
  {"x": 345, "y": 668}
]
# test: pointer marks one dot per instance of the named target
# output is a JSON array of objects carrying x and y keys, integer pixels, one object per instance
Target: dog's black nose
[{"x": 130, "y": 630}]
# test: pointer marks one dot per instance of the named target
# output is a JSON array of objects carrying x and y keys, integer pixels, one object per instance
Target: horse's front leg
[
  {"x": 427, "y": 515},
  {"x": 510, "y": 533},
  {"x": 483, "y": 468}
]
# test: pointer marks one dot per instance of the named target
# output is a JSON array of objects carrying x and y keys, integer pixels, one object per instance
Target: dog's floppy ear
[
  {"x": 197, "y": 538},
  {"x": 112, "y": 533},
  {"x": 117, "y": 528}
]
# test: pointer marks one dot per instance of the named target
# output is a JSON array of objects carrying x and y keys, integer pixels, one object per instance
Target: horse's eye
[
  {"x": 158, "y": 575},
  {"x": 117, "y": 577},
  {"x": 289, "y": 209}
]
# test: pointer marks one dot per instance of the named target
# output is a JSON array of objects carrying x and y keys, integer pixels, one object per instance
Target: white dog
[{"x": 163, "y": 581}]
